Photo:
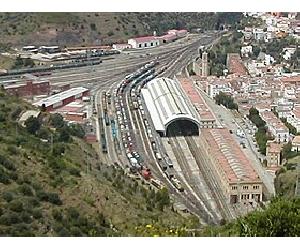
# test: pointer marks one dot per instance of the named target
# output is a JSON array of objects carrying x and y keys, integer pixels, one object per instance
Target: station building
[
  {"x": 143, "y": 42},
  {"x": 61, "y": 99},
  {"x": 171, "y": 112}
]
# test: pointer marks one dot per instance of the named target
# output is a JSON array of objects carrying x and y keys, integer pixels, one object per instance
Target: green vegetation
[
  {"x": 292, "y": 129},
  {"x": 23, "y": 62},
  {"x": 65, "y": 189},
  {"x": 261, "y": 134},
  {"x": 32, "y": 125},
  {"x": 218, "y": 54},
  {"x": 226, "y": 100},
  {"x": 87, "y": 28},
  {"x": 280, "y": 219}
]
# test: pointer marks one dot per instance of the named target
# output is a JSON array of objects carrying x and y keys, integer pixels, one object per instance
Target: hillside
[
  {"x": 66, "y": 190},
  {"x": 19, "y": 29}
]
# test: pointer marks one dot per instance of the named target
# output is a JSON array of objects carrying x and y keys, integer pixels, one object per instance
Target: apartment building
[
  {"x": 276, "y": 127},
  {"x": 273, "y": 154},
  {"x": 294, "y": 118}
]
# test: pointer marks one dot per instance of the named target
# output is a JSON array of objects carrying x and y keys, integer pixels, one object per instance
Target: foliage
[
  {"x": 56, "y": 120},
  {"x": 226, "y": 100},
  {"x": 280, "y": 219},
  {"x": 292, "y": 129},
  {"x": 261, "y": 134},
  {"x": 23, "y": 62},
  {"x": 32, "y": 125}
]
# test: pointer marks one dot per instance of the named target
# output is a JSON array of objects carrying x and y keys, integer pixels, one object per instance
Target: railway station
[{"x": 171, "y": 112}]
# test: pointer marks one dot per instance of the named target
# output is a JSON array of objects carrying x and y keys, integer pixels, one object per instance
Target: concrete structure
[
  {"x": 276, "y": 127},
  {"x": 58, "y": 100},
  {"x": 27, "y": 114},
  {"x": 273, "y": 154},
  {"x": 169, "y": 108},
  {"x": 238, "y": 176},
  {"x": 32, "y": 86},
  {"x": 296, "y": 144},
  {"x": 143, "y": 42}
]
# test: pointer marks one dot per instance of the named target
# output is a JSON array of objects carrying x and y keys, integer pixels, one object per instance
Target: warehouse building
[
  {"x": 31, "y": 86},
  {"x": 239, "y": 179},
  {"x": 61, "y": 99},
  {"x": 172, "y": 114}
]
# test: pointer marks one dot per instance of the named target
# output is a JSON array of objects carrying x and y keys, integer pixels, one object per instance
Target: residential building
[
  {"x": 276, "y": 127},
  {"x": 273, "y": 154},
  {"x": 296, "y": 144},
  {"x": 215, "y": 87},
  {"x": 294, "y": 118}
]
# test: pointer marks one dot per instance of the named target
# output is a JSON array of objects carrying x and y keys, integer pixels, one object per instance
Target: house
[
  {"x": 276, "y": 127},
  {"x": 294, "y": 118},
  {"x": 296, "y": 144},
  {"x": 273, "y": 154}
]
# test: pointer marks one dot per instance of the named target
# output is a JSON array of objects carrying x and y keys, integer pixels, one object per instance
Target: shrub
[
  {"x": 32, "y": 125},
  {"x": 110, "y": 33},
  {"x": 8, "y": 196},
  {"x": 26, "y": 189},
  {"x": 16, "y": 206},
  {"x": 9, "y": 218},
  {"x": 54, "y": 198},
  {"x": 57, "y": 215}
]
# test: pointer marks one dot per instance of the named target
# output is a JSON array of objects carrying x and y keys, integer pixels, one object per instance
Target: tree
[
  {"x": 57, "y": 120},
  {"x": 280, "y": 219},
  {"x": 43, "y": 133},
  {"x": 76, "y": 130},
  {"x": 32, "y": 125},
  {"x": 286, "y": 150},
  {"x": 64, "y": 134}
]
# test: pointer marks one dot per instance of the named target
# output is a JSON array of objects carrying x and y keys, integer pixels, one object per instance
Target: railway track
[{"x": 211, "y": 216}]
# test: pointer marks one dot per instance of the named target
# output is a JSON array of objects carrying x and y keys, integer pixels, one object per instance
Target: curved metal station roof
[{"x": 166, "y": 102}]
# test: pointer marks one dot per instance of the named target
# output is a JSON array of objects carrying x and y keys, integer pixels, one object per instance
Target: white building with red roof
[
  {"x": 144, "y": 42},
  {"x": 294, "y": 118}
]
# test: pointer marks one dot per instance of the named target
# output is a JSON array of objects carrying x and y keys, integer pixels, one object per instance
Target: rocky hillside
[{"x": 99, "y": 28}]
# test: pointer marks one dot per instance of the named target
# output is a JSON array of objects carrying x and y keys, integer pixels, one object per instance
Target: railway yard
[{"x": 126, "y": 134}]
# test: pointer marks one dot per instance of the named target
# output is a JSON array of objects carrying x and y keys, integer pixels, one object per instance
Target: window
[
  {"x": 145, "y": 45},
  {"x": 234, "y": 187},
  {"x": 245, "y": 187},
  {"x": 140, "y": 45},
  {"x": 255, "y": 187},
  {"x": 151, "y": 44}
]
